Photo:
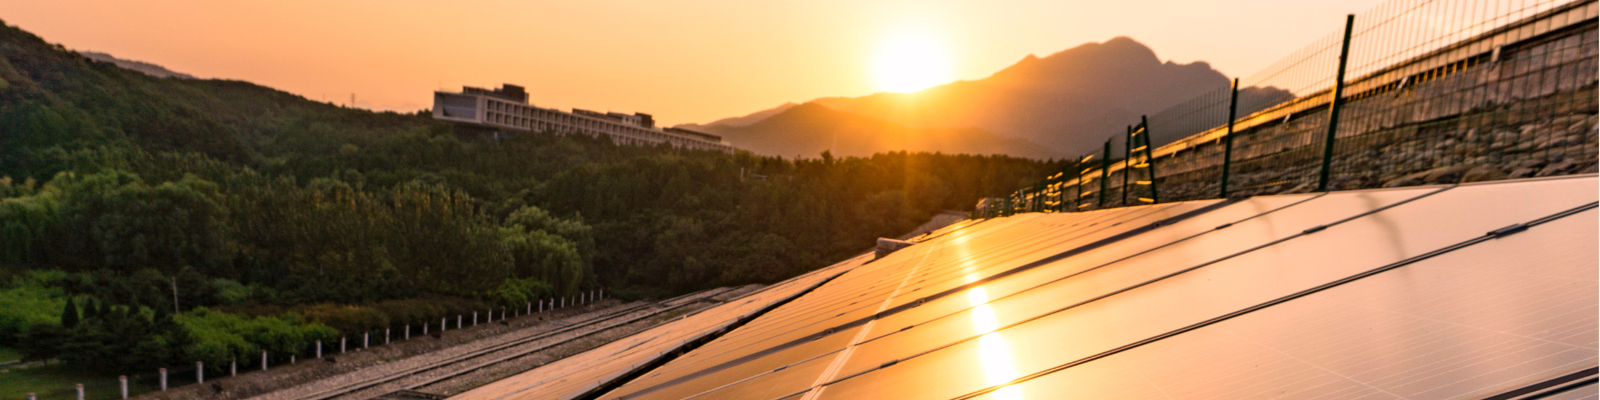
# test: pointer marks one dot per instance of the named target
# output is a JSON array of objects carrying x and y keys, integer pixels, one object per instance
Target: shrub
[{"x": 220, "y": 337}]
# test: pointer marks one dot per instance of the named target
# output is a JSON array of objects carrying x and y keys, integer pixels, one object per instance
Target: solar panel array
[{"x": 1462, "y": 291}]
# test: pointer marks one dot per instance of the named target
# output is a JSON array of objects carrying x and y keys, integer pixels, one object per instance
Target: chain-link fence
[{"x": 1428, "y": 91}]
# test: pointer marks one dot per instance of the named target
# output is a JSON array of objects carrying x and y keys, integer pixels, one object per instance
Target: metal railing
[{"x": 1410, "y": 92}]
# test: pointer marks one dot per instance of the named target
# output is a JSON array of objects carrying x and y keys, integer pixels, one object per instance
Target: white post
[
  {"x": 319, "y": 348},
  {"x": 31, "y": 396},
  {"x": 263, "y": 360},
  {"x": 341, "y": 344},
  {"x": 474, "y": 318},
  {"x": 458, "y": 321},
  {"x": 424, "y": 329},
  {"x": 199, "y": 372},
  {"x": 291, "y": 359},
  {"x": 530, "y": 307},
  {"x": 408, "y": 331},
  {"x": 123, "y": 379},
  {"x": 366, "y": 337},
  {"x": 233, "y": 367},
  {"x": 80, "y": 391},
  {"x": 163, "y": 379},
  {"x": 386, "y": 335}
]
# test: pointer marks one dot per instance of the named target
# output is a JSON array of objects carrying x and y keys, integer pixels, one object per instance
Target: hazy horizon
[{"x": 682, "y": 62}]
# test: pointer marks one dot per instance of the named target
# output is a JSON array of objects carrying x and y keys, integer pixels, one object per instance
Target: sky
[{"x": 681, "y": 60}]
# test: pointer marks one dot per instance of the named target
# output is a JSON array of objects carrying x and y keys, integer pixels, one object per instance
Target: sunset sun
[{"x": 910, "y": 61}]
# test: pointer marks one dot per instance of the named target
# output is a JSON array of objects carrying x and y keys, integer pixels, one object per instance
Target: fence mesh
[{"x": 1432, "y": 91}]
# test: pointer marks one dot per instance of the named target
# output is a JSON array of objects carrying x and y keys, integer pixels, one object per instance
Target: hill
[
  {"x": 173, "y": 209},
  {"x": 1067, "y": 102},
  {"x": 741, "y": 121},
  {"x": 144, "y": 67},
  {"x": 809, "y": 129}
]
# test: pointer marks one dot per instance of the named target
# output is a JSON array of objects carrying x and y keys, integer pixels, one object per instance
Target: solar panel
[
  {"x": 717, "y": 370},
  {"x": 579, "y": 374},
  {"x": 1370, "y": 293},
  {"x": 1471, "y": 323},
  {"x": 1085, "y": 326}
]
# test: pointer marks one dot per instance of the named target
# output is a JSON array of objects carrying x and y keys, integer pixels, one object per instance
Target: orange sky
[{"x": 682, "y": 60}]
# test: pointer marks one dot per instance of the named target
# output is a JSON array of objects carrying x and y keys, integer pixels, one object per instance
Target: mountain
[
  {"x": 143, "y": 67},
  {"x": 809, "y": 129},
  {"x": 746, "y": 120},
  {"x": 1069, "y": 102}
]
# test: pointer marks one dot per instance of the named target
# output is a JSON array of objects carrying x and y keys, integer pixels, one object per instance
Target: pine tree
[{"x": 69, "y": 316}]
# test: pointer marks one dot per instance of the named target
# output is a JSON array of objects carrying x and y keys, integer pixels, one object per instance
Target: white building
[{"x": 507, "y": 108}]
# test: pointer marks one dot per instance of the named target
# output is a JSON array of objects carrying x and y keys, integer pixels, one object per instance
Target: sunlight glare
[{"x": 909, "y": 61}]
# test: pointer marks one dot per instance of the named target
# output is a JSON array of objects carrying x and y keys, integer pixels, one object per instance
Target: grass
[
  {"x": 55, "y": 382},
  {"x": 9, "y": 354}
]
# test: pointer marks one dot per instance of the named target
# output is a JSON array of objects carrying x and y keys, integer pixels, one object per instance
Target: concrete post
[
  {"x": 199, "y": 372},
  {"x": 291, "y": 359},
  {"x": 80, "y": 391},
  {"x": 233, "y": 367},
  {"x": 123, "y": 380},
  {"x": 31, "y": 396},
  {"x": 602, "y": 293},
  {"x": 386, "y": 335},
  {"x": 341, "y": 344},
  {"x": 408, "y": 331},
  {"x": 530, "y": 307},
  {"x": 474, "y": 318},
  {"x": 442, "y": 326},
  {"x": 319, "y": 348},
  {"x": 458, "y": 321},
  {"x": 366, "y": 338},
  {"x": 541, "y": 305},
  {"x": 163, "y": 379},
  {"x": 263, "y": 360},
  {"x": 424, "y": 329}
]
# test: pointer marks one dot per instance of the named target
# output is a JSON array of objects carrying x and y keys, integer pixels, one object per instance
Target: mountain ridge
[
  {"x": 808, "y": 129},
  {"x": 1069, "y": 101}
]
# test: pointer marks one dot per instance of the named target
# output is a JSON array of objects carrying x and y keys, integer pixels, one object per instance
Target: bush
[
  {"x": 346, "y": 319},
  {"x": 219, "y": 337},
  {"x": 30, "y": 300}
]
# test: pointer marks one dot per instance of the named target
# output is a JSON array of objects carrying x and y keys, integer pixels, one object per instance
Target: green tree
[{"x": 69, "y": 315}]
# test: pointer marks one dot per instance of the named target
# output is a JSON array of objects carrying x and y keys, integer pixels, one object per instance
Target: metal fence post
[
  {"x": 1127, "y": 162},
  {"x": 1105, "y": 175},
  {"x": 1227, "y": 141},
  {"x": 1333, "y": 106}
]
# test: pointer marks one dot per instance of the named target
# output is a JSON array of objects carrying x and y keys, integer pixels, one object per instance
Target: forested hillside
[{"x": 209, "y": 219}]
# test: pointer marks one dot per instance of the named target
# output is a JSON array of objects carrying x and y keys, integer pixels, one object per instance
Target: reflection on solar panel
[{"x": 1469, "y": 291}]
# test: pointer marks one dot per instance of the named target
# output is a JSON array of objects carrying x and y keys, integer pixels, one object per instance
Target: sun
[{"x": 909, "y": 61}]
